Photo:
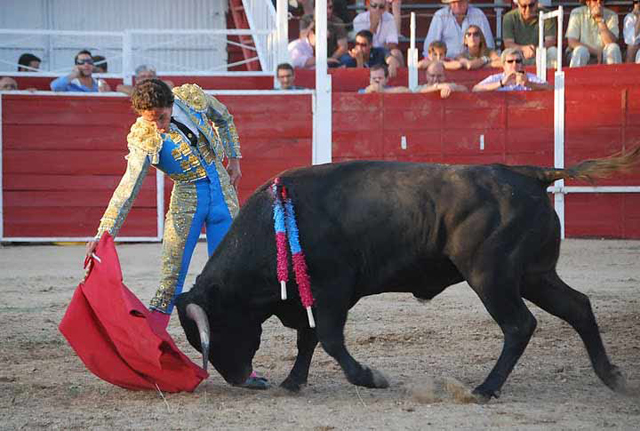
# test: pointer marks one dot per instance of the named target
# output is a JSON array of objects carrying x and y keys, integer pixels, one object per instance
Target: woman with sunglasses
[
  {"x": 476, "y": 54},
  {"x": 513, "y": 77},
  {"x": 80, "y": 79}
]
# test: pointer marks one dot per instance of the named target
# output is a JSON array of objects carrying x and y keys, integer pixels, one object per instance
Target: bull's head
[{"x": 227, "y": 335}]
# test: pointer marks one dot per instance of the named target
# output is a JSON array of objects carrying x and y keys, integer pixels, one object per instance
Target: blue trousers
[{"x": 193, "y": 205}]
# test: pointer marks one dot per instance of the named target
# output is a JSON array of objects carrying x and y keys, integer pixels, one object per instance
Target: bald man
[
  {"x": 8, "y": 84},
  {"x": 436, "y": 81}
]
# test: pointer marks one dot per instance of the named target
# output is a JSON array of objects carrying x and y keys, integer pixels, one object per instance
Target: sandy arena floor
[{"x": 43, "y": 385}]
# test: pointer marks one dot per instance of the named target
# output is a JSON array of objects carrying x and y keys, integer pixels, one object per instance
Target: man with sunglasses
[
  {"x": 80, "y": 78},
  {"x": 364, "y": 54},
  {"x": 592, "y": 35},
  {"x": 450, "y": 23},
  {"x": 520, "y": 30},
  {"x": 513, "y": 77},
  {"x": 382, "y": 26}
]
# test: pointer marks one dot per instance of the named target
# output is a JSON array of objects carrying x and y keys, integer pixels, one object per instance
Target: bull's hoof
[
  {"x": 375, "y": 379},
  {"x": 616, "y": 381},
  {"x": 291, "y": 385},
  {"x": 483, "y": 396}
]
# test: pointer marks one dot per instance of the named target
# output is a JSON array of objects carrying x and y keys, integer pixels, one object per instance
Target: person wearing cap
[
  {"x": 592, "y": 35},
  {"x": 80, "y": 79},
  {"x": 520, "y": 30},
  {"x": 513, "y": 77},
  {"x": 450, "y": 23},
  {"x": 631, "y": 31}
]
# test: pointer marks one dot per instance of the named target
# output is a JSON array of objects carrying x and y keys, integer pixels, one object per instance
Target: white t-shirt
[
  {"x": 629, "y": 30},
  {"x": 385, "y": 33},
  {"x": 445, "y": 28}
]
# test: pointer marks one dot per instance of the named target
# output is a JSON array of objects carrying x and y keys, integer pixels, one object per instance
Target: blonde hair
[{"x": 484, "y": 50}]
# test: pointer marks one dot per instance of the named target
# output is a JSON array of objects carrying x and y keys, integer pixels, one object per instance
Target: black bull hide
[{"x": 372, "y": 227}]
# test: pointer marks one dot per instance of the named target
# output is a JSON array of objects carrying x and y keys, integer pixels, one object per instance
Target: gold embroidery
[
  {"x": 145, "y": 136},
  {"x": 228, "y": 191},
  {"x": 193, "y": 95},
  {"x": 182, "y": 209}
]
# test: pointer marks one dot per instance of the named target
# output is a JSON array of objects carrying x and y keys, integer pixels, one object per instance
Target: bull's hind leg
[
  {"x": 330, "y": 331},
  {"x": 307, "y": 342},
  {"x": 500, "y": 295},
  {"x": 554, "y": 296}
]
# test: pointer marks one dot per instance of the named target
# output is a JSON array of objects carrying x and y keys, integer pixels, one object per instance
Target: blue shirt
[
  {"x": 63, "y": 84},
  {"x": 376, "y": 56}
]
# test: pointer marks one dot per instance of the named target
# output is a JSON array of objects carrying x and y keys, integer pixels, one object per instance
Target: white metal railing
[
  {"x": 261, "y": 14},
  {"x": 171, "y": 52}
]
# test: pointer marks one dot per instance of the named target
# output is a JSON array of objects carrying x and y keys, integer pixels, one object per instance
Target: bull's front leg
[
  {"x": 307, "y": 342},
  {"x": 330, "y": 332}
]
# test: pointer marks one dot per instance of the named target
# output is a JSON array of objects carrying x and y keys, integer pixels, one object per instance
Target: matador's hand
[{"x": 234, "y": 172}]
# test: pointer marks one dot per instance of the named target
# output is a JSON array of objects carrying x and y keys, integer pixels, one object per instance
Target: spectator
[
  {"x": 476, "y": 54},
  {"x": 142, "y": 72},
  {"x": 382, "y": 26},
  {"x": 100, "y": 64},
  {"x": 8, "y": 84},
  {"x": 520, "y": 30},
  {"x": 337, "y": 44},
  {"x": 286, "y": 77},
  {"x": 436, "y": 81},
  {"x": 450, "y": 23},
  {"x": 632, "y": 33},
  {"x": 513, "y": 77},
  {"x": 438, "y": 52},
  {"x": 378, "y": 81},
  {"x": 592, "y": 34},
  {"x": 364, "y": 54},
  {"x": 302, "y": 50},
  {"x": 80, "y": 79},
  {"x": 28, "y": 63}
]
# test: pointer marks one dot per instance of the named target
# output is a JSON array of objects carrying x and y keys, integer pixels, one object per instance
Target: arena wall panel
[{"x": 62, "y": 156}]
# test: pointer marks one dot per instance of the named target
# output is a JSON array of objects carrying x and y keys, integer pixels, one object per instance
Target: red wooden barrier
[{"x": 63, "y": 156}]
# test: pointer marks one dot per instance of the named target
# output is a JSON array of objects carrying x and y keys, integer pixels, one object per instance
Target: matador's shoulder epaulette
[
  {"x": 144, "y": 135},
  {"x": 192, "y": 95}
]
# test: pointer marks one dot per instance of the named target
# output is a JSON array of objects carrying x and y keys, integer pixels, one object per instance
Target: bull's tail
[{"x": 588, "y": 170}]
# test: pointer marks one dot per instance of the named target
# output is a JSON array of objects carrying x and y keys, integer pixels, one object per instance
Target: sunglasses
[
  {"x": 81, "y": 62},
  {"x": 473, "y": 34},
  {"x": 515, "y": 60},
  {"x": 377, "y": 5}
]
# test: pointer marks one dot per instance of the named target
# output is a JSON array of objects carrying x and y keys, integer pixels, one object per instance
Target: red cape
[{"x": 109, "y": 329}]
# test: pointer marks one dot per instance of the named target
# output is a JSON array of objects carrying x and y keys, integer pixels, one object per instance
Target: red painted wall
[{"x": 63, "y": 155}]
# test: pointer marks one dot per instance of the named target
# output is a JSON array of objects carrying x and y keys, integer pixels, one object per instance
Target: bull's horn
[{"x": 198, "y": 315}]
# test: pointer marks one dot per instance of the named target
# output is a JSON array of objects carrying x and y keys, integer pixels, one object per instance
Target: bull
[{"x": 369, "y": 227}]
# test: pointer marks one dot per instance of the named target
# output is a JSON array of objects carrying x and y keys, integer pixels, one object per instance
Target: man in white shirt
[
  {"x": 383, "y": 27},
  {"x": 302, "y": 50},
  {"x": 451, "y": 22},
  {"x": 631, "y": 32},
  {"x": 513, "y": 77}
]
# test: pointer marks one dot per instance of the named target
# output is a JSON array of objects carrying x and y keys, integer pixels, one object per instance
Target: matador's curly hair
[{"x": 150, "y": 94}]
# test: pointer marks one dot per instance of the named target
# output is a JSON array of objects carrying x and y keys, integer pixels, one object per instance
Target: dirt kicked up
[{"x": 431, "y": 353}]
